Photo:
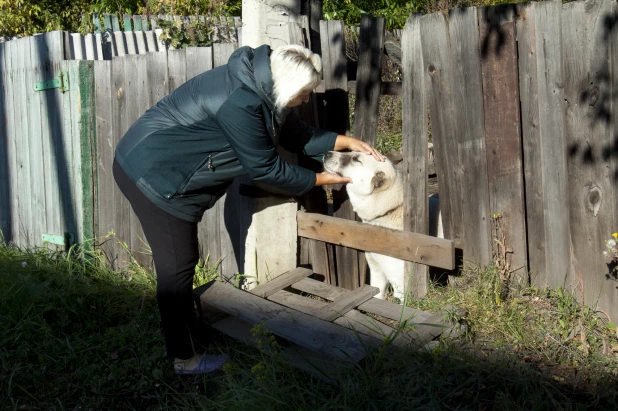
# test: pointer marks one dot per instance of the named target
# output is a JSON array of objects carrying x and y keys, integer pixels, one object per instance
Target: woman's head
[{"x": 296, "y": 71}]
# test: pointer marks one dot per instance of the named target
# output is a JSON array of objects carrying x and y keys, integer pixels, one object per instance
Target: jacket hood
[{"x": 252, "y": 68}]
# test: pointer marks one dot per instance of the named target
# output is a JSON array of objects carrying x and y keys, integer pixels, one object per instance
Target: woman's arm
[{"x": 353, "y": 144}]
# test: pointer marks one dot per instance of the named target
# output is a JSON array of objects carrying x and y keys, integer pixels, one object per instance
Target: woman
[{"x": 179, "y": 158}]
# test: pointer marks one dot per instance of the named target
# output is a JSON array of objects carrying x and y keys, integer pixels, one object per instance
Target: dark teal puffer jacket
[{"x": 184, "y": 152}]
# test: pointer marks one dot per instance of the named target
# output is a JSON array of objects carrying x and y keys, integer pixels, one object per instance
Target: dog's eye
[{"x": 356, "y": 159}]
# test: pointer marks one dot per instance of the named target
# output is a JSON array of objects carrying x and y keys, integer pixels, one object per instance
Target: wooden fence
[
  {"x": 138, "y": 34},
  {"x": 520, "y": 101}
]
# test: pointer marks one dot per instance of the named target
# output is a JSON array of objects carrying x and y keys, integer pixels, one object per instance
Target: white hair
[{"x": 295, "y": 70}]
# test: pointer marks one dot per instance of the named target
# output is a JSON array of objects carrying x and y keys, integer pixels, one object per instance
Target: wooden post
[
  {"x": 415, "y": 135},
  {"x": 266, "y": 218}
]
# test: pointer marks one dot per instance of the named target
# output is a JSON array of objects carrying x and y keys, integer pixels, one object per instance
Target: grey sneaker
[{"x": 207, "y": 364}]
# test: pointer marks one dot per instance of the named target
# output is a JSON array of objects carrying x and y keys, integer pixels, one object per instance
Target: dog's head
[{"x": 368, "y": 175}]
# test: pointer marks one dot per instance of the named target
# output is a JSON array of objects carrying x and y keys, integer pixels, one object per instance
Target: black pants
[{"x": 175, "y": 250}]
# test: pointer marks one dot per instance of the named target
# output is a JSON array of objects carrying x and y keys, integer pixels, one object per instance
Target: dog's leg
[
  {"x": 377, "y": 277},
  {"x": 394, "y": 269}
]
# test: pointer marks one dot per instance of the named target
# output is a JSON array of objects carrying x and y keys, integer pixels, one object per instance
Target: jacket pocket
[{"x": 216, "y": 169}]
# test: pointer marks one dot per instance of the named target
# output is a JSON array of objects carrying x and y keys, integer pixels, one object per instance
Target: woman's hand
[
  {"x": 353, "y": 144},
  {"x": 326, "y": 178}
]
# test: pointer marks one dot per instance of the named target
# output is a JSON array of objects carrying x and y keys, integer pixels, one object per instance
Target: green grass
[{"x": 81, "y": 336}]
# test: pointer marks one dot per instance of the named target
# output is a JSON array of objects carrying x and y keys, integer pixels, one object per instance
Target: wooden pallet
[{"x": 322, "y": 336}]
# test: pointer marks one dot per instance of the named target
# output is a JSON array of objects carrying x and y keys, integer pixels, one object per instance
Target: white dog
[{"x": 376, "y": 194}]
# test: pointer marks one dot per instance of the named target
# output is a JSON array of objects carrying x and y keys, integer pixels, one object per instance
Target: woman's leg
[{"x": 175, "y": 250}]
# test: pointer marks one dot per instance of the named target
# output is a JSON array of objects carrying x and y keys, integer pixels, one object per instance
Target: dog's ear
[
  {"x": 378, "y": 179},
  {"x": 394, "y": 156}
]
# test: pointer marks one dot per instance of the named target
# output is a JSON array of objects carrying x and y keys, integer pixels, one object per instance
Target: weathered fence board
[
  {"x": 468, "y": 99},
  {"x": 336, "y": 118},
  {"x": 404, "y": 245},
  {"x": 503, "y": 134},
  {"x": 542, "y": 103},
  {"x": 20, "y": 55},
  {"x": 414, "y": 142},
  {"x": 122, "y": 218},
  {"x": 137, "y": 91},
  {"x": 48, "y": 48},
  {"x": 106, "y": 186},
  {"x": 438, "y": 73},
  {"x": 451, "y": 58},
  {"x": 6, "y": 210},
  {"x": 588, "y": 133},
  {"x": 33, "y": 116},
  {"x": 368, "y": 84},
  {"x": 227, "y": 220}
]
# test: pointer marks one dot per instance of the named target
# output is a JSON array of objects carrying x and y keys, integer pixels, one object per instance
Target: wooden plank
[
  {"x": 400, "y": 244},
  {"x": 227, "y": 209},
  {"x": 135, "y": 77},
  {"x": 177, "y": 68},
  {"x": 73, "y": 149},
  {"x": 120, "y": 47},
  {"x": 90, "y": 46},
  {"x": 387, "y": 88},
  {"x": 438, "y": 78},
  {"x": 503, "y": 134},
  {"x": 613, "y": 70},
  {"x": 115, "y": 23},
  {"x": 344, "y": 304},
  {"x": 368, "y": 78},
  {"x": 20, "y": 51},
  {"x": 137, "y": 21},
  {"x": 200, "y": 59},
  {"x": 542, "y": 105},
  {"x": 140, "y": 42},
  {"x": 151, "y": 41},
  {"x": 423, "y": 326},
  {"x": 414, "y": 144},
  {"x": 106, "y": 185},
  {"x": 589, "y": 136},
  {"x": 468, "y": 100},
  {"x": 161, "y": 47},
  {"x": 47, "y": 50},
  {"x": 336, "y": 118},
  {"x": 353, "y": 319},
  {"x": 302, "y": 329},
  {"x": 281, "y": 282},
  {"x": 78, "y": 49},
  {"x": 36, "y": 156},
  {"x": 131, "y": 42},
  {"x": 374, "y": 305},
  {"x": 326, "y": 369},
  {"x": 158, "y": 80},
  {"x": 368, "y": 84},
  {"x": 6, "y": 210},
  {"x": 122, "y": 217},
  {"x": 11, "y": 145}
]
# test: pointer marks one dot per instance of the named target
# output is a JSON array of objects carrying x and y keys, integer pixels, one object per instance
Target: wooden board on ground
[
  {"x": 281, "y": 282},
  {"x": 302, "y": 329},
  {"x": 317, "y": 336},
  {"x": 404, "y": 245}
]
